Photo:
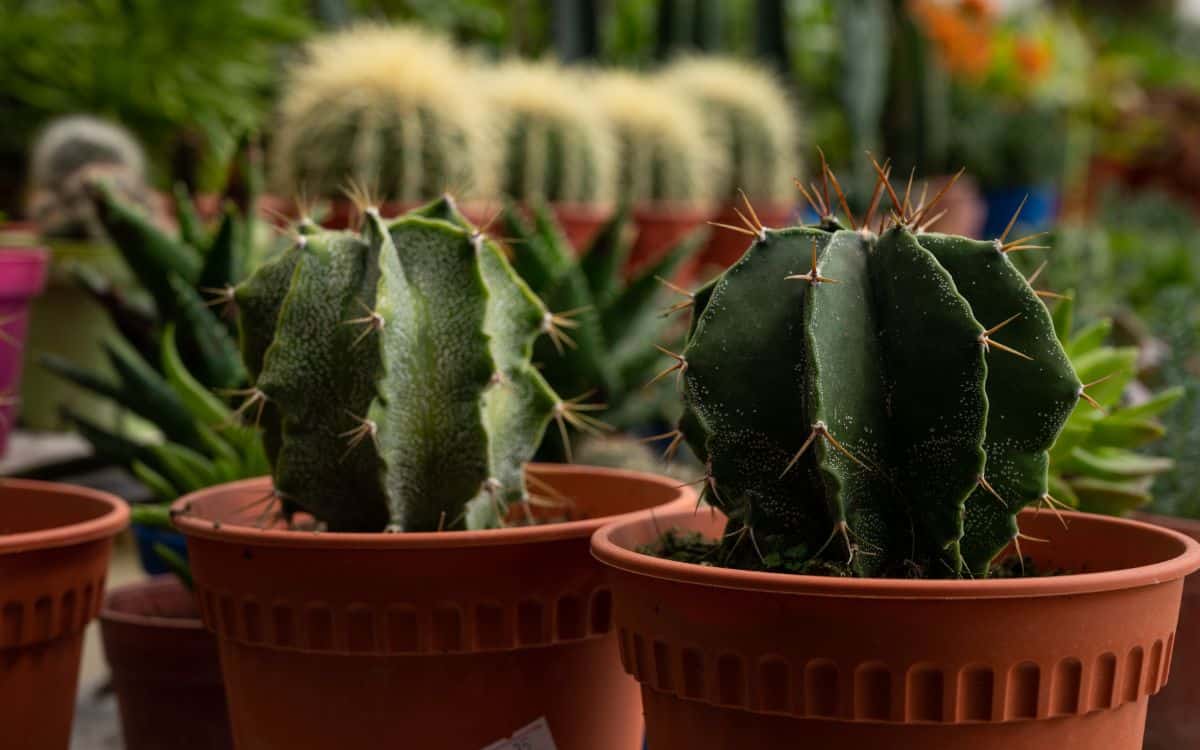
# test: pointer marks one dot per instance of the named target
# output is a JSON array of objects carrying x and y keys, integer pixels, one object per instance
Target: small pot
[
  {"x": 165, "y": 668},
  {"x": 662, "y": 226},
  {"x": 732, "y": 658},
  {"x": 448, "y": 640},
  {"x": 726, "y": 247},
  {"x": 55, "y": 543},
  {"x": 1174, "y": 720},
  {"x": 22, "y": 277},
  {"x": 1038, "y": 213},
  {"x": 581, "y": 222}
]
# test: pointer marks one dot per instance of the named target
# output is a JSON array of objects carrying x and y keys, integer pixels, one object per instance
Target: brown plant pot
[
  {"x": 165, "y": 668},
  {"x": 1174, "y": 718},
  {"x": 725, "y": 247},
  {"x": 55, "y": 542},
  {"x": 440, "y": 640},
  {"x": 731, "y": 658},
  {"x": 581, "y": 222},
  {"x": 660, "y": 227}
]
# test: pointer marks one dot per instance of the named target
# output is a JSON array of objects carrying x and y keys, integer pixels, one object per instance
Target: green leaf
[
  {"x": 605, "y": 259},
  {"x": 1064, "y": 316},
  {"x": 1109, "y": 497},
  {"x": 191, "y": 228},
  {"x": 221, "y": 261},
  {"x": 1154, "y": 406},
  {"x": 1115, "y": 464},
  {"x": 1088, "y": 339},
  {"x": 1123, "y": 432}
]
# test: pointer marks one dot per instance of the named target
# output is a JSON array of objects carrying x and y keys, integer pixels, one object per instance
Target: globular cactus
[
  {"x": 1095, "y": 465},
  {"x": 749, "y": 114},
  {"x": 663, "y": 153},
  {"x": 614, "y": 323},
  {"x": 556, "y": 146},
  {"x": 70, "y": 153},
  {"x": 385, "y": 107},
  {"x": 874, "y": 400},
  {"x": 391, "y": 374}
]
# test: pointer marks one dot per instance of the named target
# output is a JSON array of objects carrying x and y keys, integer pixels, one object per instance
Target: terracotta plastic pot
[
  {"x": 165, "y": 668},
  {"x": 580, "y": 222},
  {"x": 55, "y": 542},
  {"x": 731, "y": 658},
  {"x": 448, "y": 640},
  {"x": 22, "y": 277},
  {"x": 725, "y": 247},
  {"x": 1174, "y": 720},
  {"x": 661, "y": 227}
]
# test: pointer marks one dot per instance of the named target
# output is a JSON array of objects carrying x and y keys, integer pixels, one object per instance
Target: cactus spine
[
  {"x": 392, "y": 376},
  {"x": 556, "y": 145},
  {"x": 886, "y": 402},
  {"x": 663, "y": 153},
  {"x": 749, "y": 114},
  {"x": 385, "y": 107}
]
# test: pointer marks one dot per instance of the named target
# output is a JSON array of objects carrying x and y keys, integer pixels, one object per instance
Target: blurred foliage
[
  {"x": 499, "y": 26},
  {"x": 169, "y": 71}
]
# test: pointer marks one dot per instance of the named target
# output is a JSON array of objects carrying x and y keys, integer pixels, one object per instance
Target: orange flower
[
  {"x": 977, "y": 8},
  {"x": 1033, "y": 57},
  {"x": 961, "y": 35}
]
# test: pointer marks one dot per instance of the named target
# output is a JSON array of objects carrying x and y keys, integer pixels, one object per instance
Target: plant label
[{"x": 533, "y": 736}]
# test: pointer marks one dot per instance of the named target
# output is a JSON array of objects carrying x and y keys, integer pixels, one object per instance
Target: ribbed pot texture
[{"x": 731, "y": 658}]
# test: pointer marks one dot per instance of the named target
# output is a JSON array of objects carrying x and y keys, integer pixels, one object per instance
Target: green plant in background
[
  {"x": 170, "y": 72},
  {"x": 663, "y": 152},
  {"x": 873, "y": 404},
  {"x": 1176, "y": 319},
  {"x": 174, "y": 347},
  {"x": 1094, "y": 464},
  {"x": 557, "y": 147},
  {"x": 613, "y": 324},
  {"x": 68, "y": 154},
  {"x": 392, "y": 374},
  {"x": 750, "y": 115},
  {"x": 386, "y": 107}
]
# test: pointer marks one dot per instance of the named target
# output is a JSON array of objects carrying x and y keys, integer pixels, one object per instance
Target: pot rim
[
  {"x": 609, "y": 552},
  {"x": 185, "y": 519},
  {"x": 115, "y": 518},
  {"x": 110, "y": 613}
]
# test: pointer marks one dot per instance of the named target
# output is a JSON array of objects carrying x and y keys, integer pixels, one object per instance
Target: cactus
[
  {"x": 70, "y": 153},
  {"x": 748, "y": 113},
  {"x": 1094, "y": 465},
  {"x": 877, "y": 400},
  {"x": 384, "y": 107},
  {"x": 391, "y": 374},
  {"x": 614, "y": 324},
  {"x": 556, "y": 146},
  {"x": 663, "y": 153}
]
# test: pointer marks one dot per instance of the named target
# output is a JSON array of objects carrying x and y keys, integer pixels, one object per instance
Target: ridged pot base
[
  {"x": 439, "y": 641},
  {"x": 732, "y": 658}
]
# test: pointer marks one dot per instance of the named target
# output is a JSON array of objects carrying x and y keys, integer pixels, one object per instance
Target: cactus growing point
[{"x": 877, "y": 400}]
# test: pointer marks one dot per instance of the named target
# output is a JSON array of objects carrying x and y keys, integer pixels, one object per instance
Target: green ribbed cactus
[
  {"x": 391, "y": 374},
  {"x": 663, "y": 151},
  {"x": 873, "y": 403},
  {"x": 556, "y": 146},
  {"x": 749, "y": 115},
  {"x": 385, "y": 107}
]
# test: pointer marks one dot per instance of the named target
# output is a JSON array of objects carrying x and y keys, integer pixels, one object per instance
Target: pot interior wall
[{"x": 21, "y": 512}]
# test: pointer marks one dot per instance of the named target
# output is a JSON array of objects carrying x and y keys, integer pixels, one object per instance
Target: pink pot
[{"x": 22, "y": 277}]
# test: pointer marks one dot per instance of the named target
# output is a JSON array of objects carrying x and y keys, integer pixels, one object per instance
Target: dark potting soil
[{"x": 693, "y": 547}]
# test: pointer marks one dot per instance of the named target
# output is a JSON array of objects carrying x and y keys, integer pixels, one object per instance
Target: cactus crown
[
  {"x": 748, "y": 112},
  {"x": 556, "y": 146},
  {"x": 391, "y": 374},
  {"x": 663, "y": 154},
  {"x": 386, "y": 107},
  {"x": 878, "y": 399}
]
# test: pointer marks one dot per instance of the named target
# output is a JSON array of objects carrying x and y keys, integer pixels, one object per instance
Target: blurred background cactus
[
  {"x": 664, "y": 155},
  {"x": 750, "y": 114},
  {"x": 66, "y": 156},
  {"x": 389, "y": 108},
  {"x": 557, "y": 147}
]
